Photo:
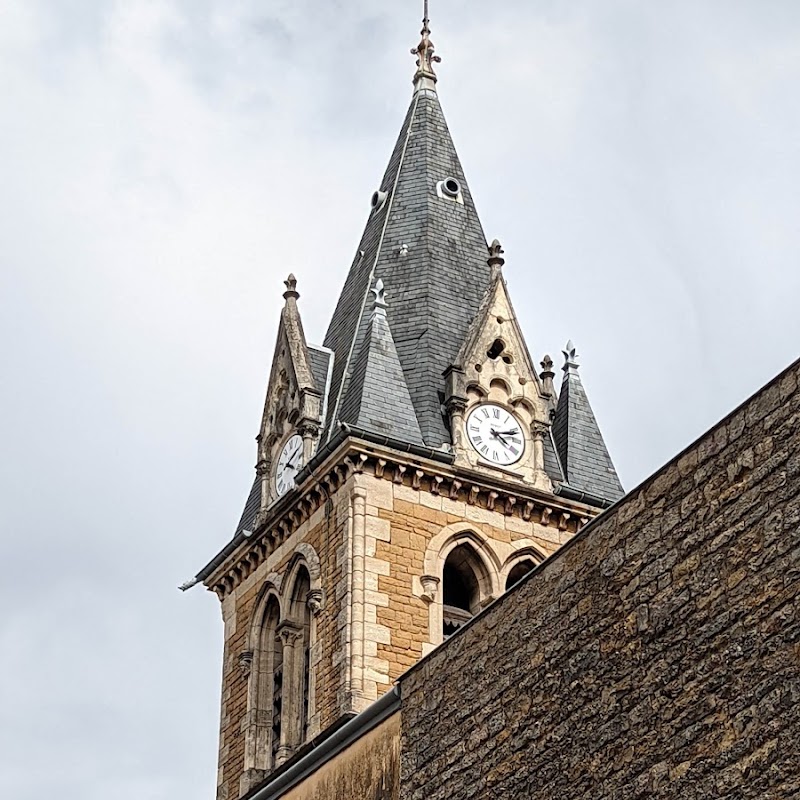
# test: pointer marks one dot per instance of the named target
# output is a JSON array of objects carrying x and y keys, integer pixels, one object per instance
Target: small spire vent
[
  {"x": 450, "y": 189},
  {"x": 378, "y": 199}
]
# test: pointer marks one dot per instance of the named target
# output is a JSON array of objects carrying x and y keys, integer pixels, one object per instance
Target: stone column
[
  {"x": 291, "y": 637},
  {"x": 309, "y": 431},
  {"x": 540, "y": 478},
  {"x": 358, "y": 631}
]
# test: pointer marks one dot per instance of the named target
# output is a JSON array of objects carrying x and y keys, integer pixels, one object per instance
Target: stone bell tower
[{"x": 408, "y": 471}]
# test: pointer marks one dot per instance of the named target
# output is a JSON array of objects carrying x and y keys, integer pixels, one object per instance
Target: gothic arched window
[
  {"x": 301, "y": 617},
  {"x": 461, "y": 592},
  {"x": 266, "y": 691},
  {"x": 519, "y": 571}
]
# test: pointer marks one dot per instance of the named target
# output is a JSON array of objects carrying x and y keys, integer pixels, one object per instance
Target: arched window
[
  {"x": 301, "y": 616},
  {"x": 266, "y": 691},
  {"x": 461, "y": 596},
  {"x": 519, "y": 571}
]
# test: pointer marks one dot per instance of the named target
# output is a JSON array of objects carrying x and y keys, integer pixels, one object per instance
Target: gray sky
[{"x": 165, "y": 163}]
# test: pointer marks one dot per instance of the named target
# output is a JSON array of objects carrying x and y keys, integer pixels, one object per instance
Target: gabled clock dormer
[
  {"x": 294, "y": 406},
  {"x": 498, "y": 409}
]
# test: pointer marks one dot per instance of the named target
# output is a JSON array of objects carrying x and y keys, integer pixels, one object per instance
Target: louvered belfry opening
[{"x": 461, "y": 588}]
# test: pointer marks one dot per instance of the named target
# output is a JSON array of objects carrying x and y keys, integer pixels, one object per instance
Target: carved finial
[
  {"x": 495, "y": 259},
  {"x": 425, "y": 77},
  {"x": 570, "y": 359},
  {"x": 291, "y": 287},
  {"x": 380, "y": 297},
  {"x": 547, "y": 376}
]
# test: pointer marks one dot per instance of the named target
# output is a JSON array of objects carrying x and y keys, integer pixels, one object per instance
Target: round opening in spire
[
  {"x": 451, "y": 187},
  {"x": 378, "y": 199}
]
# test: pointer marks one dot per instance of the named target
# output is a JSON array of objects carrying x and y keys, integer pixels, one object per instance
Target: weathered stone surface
[
  {"x": 369, "y": 768},
  {"x": 657, "y": 656}
]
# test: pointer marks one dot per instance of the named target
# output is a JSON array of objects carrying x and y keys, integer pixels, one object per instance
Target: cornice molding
[{"x": 355, "y": 456}]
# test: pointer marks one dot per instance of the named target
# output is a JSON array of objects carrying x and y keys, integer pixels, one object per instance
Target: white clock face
[
  {"x": 289, "y": 463},
  {"x": 496, "y": 434}
]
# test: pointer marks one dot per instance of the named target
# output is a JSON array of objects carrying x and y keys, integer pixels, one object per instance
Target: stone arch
[
  {"x": 525, "y": 550},
  {"x": 501, "y": 385},
  {"x": 458, "y": 533},
  {"x": 302, "y": 597},
  {"x": 477, "y": 389},
  {"x": 473, "y": 552},
  {"x": 262, "y": 666}
]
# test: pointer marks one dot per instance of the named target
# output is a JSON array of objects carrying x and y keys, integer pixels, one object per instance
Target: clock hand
[{"x": 498, "y": 435}]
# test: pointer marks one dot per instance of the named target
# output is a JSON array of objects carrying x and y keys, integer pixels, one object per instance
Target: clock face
[
  {"x": 496, "y": 434},
  {"x": 289, "y": 463}
]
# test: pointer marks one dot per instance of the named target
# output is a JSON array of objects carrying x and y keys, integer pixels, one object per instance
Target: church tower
[{"x": 408, "y": 471}]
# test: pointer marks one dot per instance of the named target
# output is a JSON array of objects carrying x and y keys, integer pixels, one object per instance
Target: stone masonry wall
[
  {"x": 325, "y": 533},
  {"x": 656, "y": 655}
]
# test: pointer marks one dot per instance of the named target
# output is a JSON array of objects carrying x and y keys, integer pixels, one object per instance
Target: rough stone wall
[{"x": 658, "y": 655}]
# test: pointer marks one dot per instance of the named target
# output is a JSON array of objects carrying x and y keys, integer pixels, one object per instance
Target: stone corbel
[
  {"x": 430, "y": 588},
  {"x": 245, "y": 662},
  {"x": 315, "y": 600}
]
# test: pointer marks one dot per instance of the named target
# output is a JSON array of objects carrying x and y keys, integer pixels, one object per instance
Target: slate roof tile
[
  {"x": 436, "y": 287},
  {"x": 580, "y": 445}
]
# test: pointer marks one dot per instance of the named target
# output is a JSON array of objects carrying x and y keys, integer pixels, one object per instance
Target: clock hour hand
[{"x": 498, "y": 435}]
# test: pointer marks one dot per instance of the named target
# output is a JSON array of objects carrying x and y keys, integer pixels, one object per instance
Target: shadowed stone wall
[{"x": 656, "y": 655}]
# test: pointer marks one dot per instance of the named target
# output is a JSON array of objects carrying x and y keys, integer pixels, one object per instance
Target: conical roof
[
  {"x": 424, "y": 239},
  {"x": 383, "y": 404},
  {"x": 581, "y": 447}
]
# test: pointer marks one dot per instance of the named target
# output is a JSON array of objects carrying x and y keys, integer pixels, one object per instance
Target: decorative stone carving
[
  {"x": 430, "y": 587},
  {"x": 315, "y": 601},
  {"x": 245, "y": 662}
]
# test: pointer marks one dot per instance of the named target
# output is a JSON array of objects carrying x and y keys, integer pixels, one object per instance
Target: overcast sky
[{"x": 165, "y": 163}]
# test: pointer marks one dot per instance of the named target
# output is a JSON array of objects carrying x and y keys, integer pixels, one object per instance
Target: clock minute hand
[{"x": 498, "y": 435}]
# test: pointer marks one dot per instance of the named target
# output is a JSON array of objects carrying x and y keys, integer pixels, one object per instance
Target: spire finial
[
  {"x": 291, "y": 287},
  {"x": 496, "y": 259},
  {"x": 425, "y": 77},
  {"x": 380, "y": 298},
  {"x": 570, "y": 359}
]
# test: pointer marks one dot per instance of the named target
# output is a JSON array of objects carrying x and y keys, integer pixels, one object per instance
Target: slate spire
[
  {"x": 424, "y": 239},
  {"x": 581, "y": 448},
  {"x": 382, "y": 405}
]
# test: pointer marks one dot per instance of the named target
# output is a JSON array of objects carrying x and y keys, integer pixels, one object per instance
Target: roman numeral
[
  {"x": 485, "y": 449},
  {"x": 485, "y": 413},
  {"x": 496, "y": 412},
  {"x": 478, "y": 439}
]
